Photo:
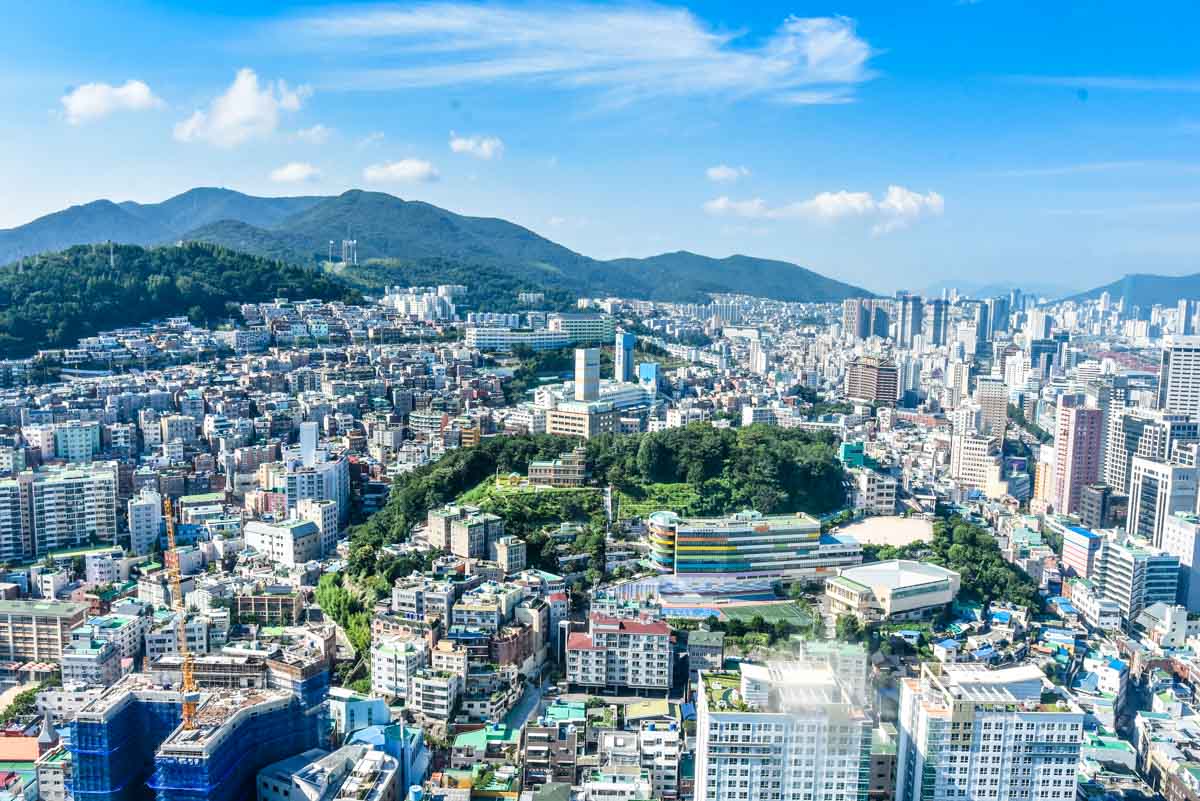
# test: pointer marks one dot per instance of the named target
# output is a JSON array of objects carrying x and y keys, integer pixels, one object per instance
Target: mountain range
[
  {"x": 1144, "y": 290},
  {"x": 400, "y": 240}
]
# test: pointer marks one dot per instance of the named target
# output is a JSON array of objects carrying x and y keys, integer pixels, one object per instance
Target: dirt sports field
[{"x": 889, "y": 530}]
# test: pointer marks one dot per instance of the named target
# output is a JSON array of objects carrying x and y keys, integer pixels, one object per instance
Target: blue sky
[{"x": 892, "y": 145}]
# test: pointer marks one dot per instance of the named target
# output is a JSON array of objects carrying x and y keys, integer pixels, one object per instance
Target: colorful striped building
[{"x": 747, "y": 546}]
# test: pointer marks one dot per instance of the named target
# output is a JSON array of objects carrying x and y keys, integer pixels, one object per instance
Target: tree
[{"x": 849, "y": 629}]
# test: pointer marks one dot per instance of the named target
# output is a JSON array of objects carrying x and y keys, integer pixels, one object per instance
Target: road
[{"x": 527, "y": 706}]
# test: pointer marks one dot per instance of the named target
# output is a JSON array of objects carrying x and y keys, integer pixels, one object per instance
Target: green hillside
[{"x": 78, "y": 292}]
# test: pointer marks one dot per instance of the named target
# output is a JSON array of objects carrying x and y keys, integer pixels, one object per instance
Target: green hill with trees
[{"x": 86, "y": 289}]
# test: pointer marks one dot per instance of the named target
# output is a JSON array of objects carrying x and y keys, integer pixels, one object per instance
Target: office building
[
  {"x": 872, "y": 380},
  {"x": 583, "y": 329},
  {"x": 1181, "y": 538},
  {"x": 972, "y": 458},
  {"x": 324, "y": 515},
  {"x": 587, "y": 374},
  {"x": 1179, "y": 375},
  {"x": 623, "y": 357},
  {"x": 584, "y": 420},
  {"x": 898, "y": 589},
  {"x": 1080, "y": 551},
  {"x": 1158, "y": 490},
  {"x": 784, "y": 730},
  {"x": 1135, "y": 574},
  {"x": 1147, "y": 433},
  {"x": 1077, "y": 438},
  {"x": 747, "y": 548},
  {"x": 621, "y": 653},
  {"x": 856, "y": 318},
  {"x": 1100, "y": 507},
  {"x": 967, "y": 731}
]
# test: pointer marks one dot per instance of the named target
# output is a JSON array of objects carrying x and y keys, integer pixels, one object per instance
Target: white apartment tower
[
  {"x": 785, "y": 731},
  {"x": 145, "y": 521},
  {"x": 1179, "y": 376},
  {"x": 969, "y": 732}
]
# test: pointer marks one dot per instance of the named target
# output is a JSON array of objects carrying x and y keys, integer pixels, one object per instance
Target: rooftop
[{"x": 897, "y": 573}]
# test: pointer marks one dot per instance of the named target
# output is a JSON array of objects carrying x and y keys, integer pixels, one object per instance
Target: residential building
[
  {"x": 872, "y": 380},
  {"x": 324, "y": 515},
  {"x": 288, "y": 542},
  {"x": 1181, "y": 538},
  {"x": 1077, "y": 451},
  {"x": 37, "y": 631},
  {"x": 969, "y": 731},
  {"x": 789, "y": 730},
  {"x": 394, "y": 661},
  {"x": 633, "y": 654},
  {"x": 1179, "y": 375},
  {"x": 1135, "y": 574},
  {"x": 145, "y": 521}
]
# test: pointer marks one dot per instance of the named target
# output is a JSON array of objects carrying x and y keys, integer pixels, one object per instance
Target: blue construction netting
[
  {"x": 112, "y": 760},
  {"x": 228, "y": 774}
]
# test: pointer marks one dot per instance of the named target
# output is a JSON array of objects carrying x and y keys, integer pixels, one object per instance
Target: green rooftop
[{"x": 44, "y": 608}]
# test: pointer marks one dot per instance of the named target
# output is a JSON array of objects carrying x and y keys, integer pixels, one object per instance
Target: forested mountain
[
  {"x": 1141, "y": 289},
  {"x": 401, "y": 236}
]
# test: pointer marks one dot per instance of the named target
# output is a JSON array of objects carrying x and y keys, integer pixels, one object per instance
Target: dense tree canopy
[{"x": 53, "y": 301}]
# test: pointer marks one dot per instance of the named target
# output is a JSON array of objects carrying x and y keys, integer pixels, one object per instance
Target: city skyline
[{"x": 889, "y": 149}]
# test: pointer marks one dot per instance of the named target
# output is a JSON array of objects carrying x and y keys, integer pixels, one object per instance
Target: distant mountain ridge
[
  {"x": 1146, "y": 290},
  {"x": 398, "y": 233}
]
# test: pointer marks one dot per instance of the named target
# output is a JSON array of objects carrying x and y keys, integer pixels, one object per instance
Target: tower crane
[{"x": 191, "y": 693}]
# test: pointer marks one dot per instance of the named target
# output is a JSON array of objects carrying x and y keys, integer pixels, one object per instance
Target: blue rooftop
[{"x": 1084, "y": 532}]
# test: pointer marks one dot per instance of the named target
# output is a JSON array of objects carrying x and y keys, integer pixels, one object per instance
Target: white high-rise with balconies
[
  {"x": 785, "y": 731},
  {"x": 970, "y": 732}
]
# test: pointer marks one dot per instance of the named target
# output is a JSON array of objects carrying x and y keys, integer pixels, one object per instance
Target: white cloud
[
  {"x": 898, "y": 208},
  {"x": 405, "y": 171},
  {"x": 294, "y": 172},
  {"x": 481, "y": 147},
  {"x": 371, "y": 139},
  {"x": 316, "y": 135},
  {"x": 723, "y": 173},
  {"x": 91, "y": 101},
  {"x": 626, "y": 53},
  {"x": 245, "y": 111}
]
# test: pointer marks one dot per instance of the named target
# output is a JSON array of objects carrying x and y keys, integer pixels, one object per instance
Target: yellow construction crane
[{"x": 191, "y": 694}]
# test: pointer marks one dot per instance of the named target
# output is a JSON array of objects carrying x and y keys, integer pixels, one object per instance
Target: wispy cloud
[
  {"x": 370, "y": 140},
  {"x": 294, "y": 172},
  {"x": 898, "y": 208},
  {"x": 481, "y": 147},
  {"x": 244, "y": 111},
  {"x": 316, "y": 135},
  {"x": 625, "y": 53},
  {"x": 404, "y": 171},
  {"x": 1164, "y": 209},
  {"x": 723, "y": 173},
  {"x": 92, "y": 101},
  {"x": 1115, "y": 82}
]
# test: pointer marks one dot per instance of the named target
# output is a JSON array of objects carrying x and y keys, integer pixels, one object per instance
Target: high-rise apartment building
[
  {"x": 970, "y": 732},
  {"x": 909, "y": 316},
  {"x": 1077, "y": 451},
  {"x": 937, "y": 321},
  {"x": 587, "y": 374},
  {"x": 145, "y": 521},
  {"x": 872, "y": 380},
  {"x": 1185, "y": 317},
  {"x": 971, "y": 457},
  {"x": 992, "y": 396},
  {"x": 794, "y": 731},
  {"x": 1179, "y": 375},
  {"x": 856, "y": 318},
  {"x": 58, "y": 507}
]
